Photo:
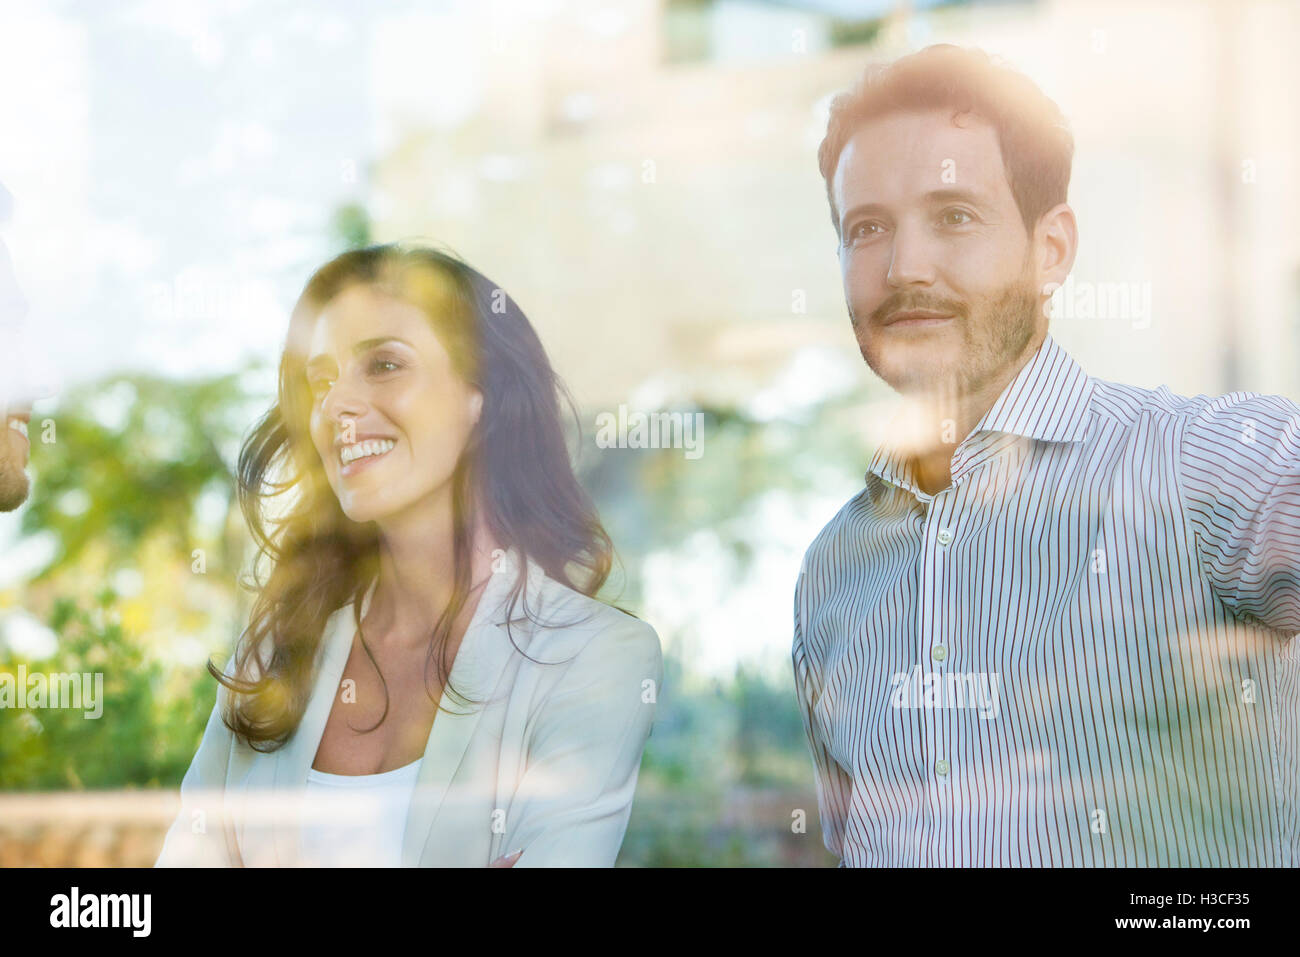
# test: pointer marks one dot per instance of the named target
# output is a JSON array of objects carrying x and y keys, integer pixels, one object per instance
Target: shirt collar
[{"x": 1047, "y": 399}]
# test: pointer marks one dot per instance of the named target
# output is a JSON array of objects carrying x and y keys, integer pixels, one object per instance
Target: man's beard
[
  {"x": 992, "y": 334},
  {"x": 14, "y": 485}
]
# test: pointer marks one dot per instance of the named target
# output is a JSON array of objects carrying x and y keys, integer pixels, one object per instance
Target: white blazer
[{"x": 548, "y": 763}]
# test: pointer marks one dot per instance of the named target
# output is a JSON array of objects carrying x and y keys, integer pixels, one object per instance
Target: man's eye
[
  {"x": 948, "y": 213},
  {"x": 862, "y": 231}
]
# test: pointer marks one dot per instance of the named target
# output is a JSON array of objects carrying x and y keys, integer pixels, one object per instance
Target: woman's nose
[{"x": 342, "y": 400}]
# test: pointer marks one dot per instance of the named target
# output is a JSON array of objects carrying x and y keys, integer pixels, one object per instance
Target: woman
[{"x": 425, "y": 679}]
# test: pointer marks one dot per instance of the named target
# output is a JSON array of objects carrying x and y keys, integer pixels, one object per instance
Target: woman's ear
[{"x": 475, "y": 405}]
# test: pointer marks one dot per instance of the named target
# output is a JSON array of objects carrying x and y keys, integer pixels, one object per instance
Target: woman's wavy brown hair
[{"x": 515, "y": 469}]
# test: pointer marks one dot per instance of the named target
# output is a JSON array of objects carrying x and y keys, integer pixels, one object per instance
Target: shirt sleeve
[
  {"x": 573, "y": 803},
  {"x": 1240, "y": 474},
  {"x": 833, "y": 784},
  {"x": 200, "y": 836}
]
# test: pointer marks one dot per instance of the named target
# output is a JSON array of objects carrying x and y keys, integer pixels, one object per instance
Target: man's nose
[{"x": 911, "y": 262}]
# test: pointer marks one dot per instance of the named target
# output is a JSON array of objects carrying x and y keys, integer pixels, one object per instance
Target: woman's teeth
[
  {"x": 19, "y": 426},
  {"x": 350, "y": 453}
]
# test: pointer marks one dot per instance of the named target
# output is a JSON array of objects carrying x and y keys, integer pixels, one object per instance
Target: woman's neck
[{"x": 417, "y": 574}]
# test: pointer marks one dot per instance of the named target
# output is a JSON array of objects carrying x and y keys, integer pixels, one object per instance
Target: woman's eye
[
  {"x": 380, "y": 366},
  {"x": 319, "y": 386},
  {"x": 947, "y": 213}
]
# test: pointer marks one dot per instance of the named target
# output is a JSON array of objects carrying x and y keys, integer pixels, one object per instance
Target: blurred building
[{"x": 642, "y": 177}]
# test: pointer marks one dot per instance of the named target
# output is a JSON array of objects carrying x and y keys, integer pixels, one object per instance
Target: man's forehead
[{"x": 903, "y": 155}]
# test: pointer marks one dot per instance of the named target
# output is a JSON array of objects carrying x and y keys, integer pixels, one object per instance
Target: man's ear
[{"x": 1058, "y": 232}]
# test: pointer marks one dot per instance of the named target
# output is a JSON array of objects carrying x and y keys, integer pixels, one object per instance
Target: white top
[{"x": 356, "y": 820}]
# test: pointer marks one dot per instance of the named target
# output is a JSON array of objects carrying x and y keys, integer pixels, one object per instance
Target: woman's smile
[{"x": 362, "y": 455}]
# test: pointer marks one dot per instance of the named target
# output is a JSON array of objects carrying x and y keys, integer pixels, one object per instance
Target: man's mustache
[{"x": 900, "y": 304}]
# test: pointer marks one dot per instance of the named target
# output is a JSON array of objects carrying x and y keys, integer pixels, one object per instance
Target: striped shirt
[{"x": 1083, "y": 652}]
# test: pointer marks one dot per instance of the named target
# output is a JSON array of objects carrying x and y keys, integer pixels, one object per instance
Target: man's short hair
[{"x": 1037, "y": 147}]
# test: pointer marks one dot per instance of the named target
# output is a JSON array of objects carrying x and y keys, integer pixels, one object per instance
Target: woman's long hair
[{"x": 515, "y": 470}]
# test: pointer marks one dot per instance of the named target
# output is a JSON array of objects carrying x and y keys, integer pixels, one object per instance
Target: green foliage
[
  {"x": 724, "y": 770},
  {"x": 351, "y": 226},
  {"x": 129, "y": 457},
  {"x": 149, "y": 728},
  {"x": 848, "y": 33},
  {"x": 739, "y": 733}
]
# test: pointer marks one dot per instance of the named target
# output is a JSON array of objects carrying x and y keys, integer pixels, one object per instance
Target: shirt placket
[{"x": 934, "y": 654}]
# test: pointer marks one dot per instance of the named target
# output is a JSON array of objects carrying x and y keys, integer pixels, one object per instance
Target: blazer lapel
[
  {"x": 293, "y": 761},
  {"x": 476, "y": 673}
]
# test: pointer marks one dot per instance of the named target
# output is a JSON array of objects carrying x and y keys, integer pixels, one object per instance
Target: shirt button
[
  {"x": 941, "y": 767},
  {"x": 945, "y": 536},
  {"x": 939, "y": 653}
]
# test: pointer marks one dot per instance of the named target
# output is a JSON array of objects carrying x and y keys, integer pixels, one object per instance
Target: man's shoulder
[
  {"x": 1126, "y": 404},
  {"x": 1129, "y": 404},
  {"x": 850, "y": 516},
  {"x": 1239, "y": 413},
  {"x": 1203, "y": 438}
]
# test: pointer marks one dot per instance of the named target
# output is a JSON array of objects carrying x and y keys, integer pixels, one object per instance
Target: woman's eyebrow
[{"x": 365, "y": 345}]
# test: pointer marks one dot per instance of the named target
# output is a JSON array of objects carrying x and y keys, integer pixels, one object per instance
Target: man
[
  {"x": 16, "y": 388},
  {"x": 1057, "y": 626}
]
